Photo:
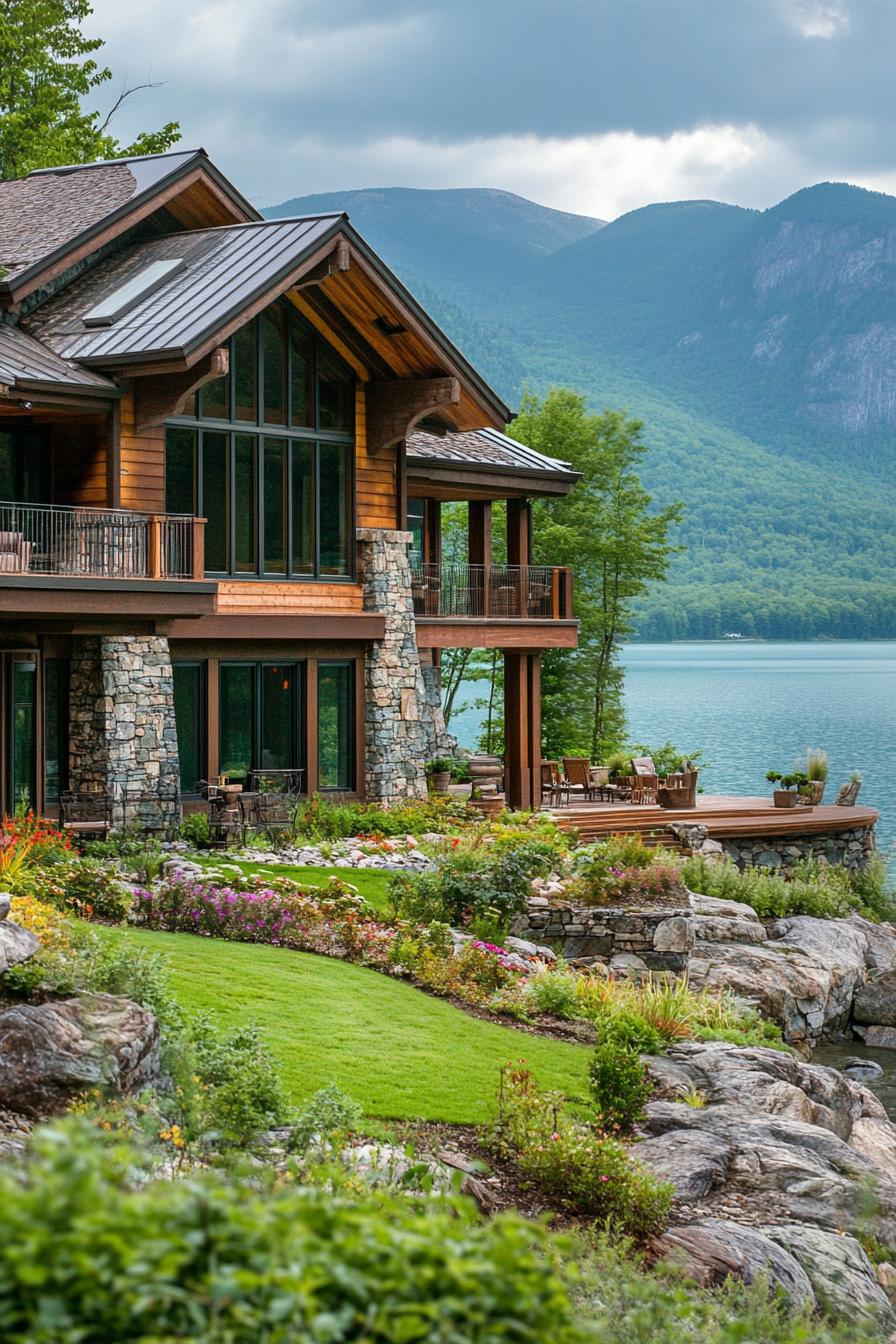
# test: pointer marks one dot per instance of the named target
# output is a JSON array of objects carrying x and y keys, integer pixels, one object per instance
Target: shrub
[
  {"x": 553, "y": 992},
  {"x": 329, "y": 1116},
  {"x": 242, "y": 1092},
  {"x": 93, "y": 1251},
  {"x": 567, "y": 1161},
  {"x": 321, "y": 819},
  {"x": 620, "y": 1085},
  {"x": 825, "y": 891},
  {"x": 82, "y": 886},
  {"x": 195, "y": 830},
  {"x": 470, "y": 883}
]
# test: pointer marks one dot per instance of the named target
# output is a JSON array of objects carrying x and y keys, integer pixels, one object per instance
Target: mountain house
[{"x": 224, "y": 446}]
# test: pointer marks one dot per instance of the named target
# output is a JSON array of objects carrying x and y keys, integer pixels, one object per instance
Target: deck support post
[
  {"x": 479, "y": 549},
  {"x": 522, "y": 729}
]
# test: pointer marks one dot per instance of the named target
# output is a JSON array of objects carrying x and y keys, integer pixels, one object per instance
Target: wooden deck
[{"x": 723, "y": 816}]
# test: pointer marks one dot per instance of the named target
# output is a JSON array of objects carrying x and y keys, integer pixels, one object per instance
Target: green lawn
[
  {"x": 399, "y": 1052},
  {"x": 372, "y": 883}
]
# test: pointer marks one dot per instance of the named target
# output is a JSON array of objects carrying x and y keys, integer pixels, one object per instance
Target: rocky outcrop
[
  {"x": 774, "y": 1174},
  {"x": 803, "y": 973},
  {"x": 875, "y": 1002},
  {"x": 51, "y": 1052}
]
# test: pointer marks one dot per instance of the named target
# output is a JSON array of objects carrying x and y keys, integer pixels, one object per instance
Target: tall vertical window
[
  {"x": 56, "y": 672},
  {"x": 279, "y": 504},
  {"x": 189, "y": 712},
  {"x": 416, "y": 525},
  {"x": 335, "y": 726},
  {"x": 23, "y": 731}
]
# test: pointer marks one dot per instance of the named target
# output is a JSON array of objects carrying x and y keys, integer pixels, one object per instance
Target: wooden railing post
[
  {"x": 154, "y": 547},
  {"x": 566, "y": 609},
  {"x": 555, "y": 594},
  {"x": 199, "y": 548}
]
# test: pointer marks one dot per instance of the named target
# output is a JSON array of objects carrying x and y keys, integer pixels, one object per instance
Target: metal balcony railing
[
  {"x": 69, "y": 540},
  {"x": 492, "y": 592}
]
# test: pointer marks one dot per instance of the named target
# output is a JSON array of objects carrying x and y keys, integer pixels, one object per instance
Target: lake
[{"x": 754, "y": 707}]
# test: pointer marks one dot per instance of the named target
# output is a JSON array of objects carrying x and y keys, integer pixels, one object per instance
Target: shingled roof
[
  {"x": 52, "y": 209},
  {"x": 486, "y": 449},
  {"x": 25, "y": 362}
]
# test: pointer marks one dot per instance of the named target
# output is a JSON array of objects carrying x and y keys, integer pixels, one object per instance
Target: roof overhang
[{"x": 453, "y": 480}]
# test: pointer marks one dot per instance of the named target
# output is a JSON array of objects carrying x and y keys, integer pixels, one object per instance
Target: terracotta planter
[
  {"x": 489, "y": 807},
  {"x": 785, "y": 797},
  {"x": 439, "y": 782}
]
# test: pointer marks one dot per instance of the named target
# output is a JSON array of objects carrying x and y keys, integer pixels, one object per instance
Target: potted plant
[
  {"x": 816, "y": 772},
  {"x": 490, "y": 805},
  {"x": 438, "y": 772},
  {"x": 793, "y": 788}
]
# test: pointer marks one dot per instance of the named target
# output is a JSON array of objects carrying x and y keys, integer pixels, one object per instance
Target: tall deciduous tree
[
  {"x": 617, "y": 545},
  {"x": 47, "y": 69}
]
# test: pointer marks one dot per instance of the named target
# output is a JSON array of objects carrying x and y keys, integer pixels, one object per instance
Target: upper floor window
[{"x": 267, "y": 457}]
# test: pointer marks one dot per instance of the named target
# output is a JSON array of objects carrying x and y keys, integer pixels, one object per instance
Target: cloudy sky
[{"x": 596, "y": 106}]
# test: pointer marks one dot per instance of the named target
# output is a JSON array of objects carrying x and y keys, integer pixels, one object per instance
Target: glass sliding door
[
  {"x": 22, "y": 721},
  {"x": 278, "y": 727},
  {"x": 237, "y": 720},
  {"x": 335, "y": 726}
]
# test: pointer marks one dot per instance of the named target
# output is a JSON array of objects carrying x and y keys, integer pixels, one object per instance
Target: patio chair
[
  {"x": 600, "y": 782},
  {"x": 270, "y": 813},
  {"x": 223, "y": 816},
  {"x": 15, "y": 553},
  {"x": 578, "y": 775},
  {"x": 553, "y": 784},
  {"x": 85, "y": 812},
  {"x": 288, "y": 781}
]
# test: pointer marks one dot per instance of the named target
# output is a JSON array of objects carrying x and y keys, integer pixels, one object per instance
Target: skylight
[{"x": 116, "y": 304}]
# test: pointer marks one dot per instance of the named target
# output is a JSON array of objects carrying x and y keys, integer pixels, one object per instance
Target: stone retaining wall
[
  {"x": 661, "y": 939},
  {"x": 853, "y": 847}
]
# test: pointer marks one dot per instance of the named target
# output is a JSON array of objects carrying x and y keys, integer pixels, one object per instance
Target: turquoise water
[{"x": 751, "y": 708}]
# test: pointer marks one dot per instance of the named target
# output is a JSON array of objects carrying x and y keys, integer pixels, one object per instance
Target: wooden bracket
[
  {"x": 395, "y": 407},
  {"x": 157, "y": 398},
  {"x": 338, "y": 260}
]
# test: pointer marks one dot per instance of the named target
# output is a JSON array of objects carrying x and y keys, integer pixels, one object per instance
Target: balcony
[
  {"x": 493, "y": 605},
  {"x": 63, "y": 559}
]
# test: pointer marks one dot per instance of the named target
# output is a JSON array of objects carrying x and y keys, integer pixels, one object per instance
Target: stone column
[
  {"x": 439, "y": 741},
  {"x": 396, "y": 740},
  {"x": 122, "y": 734}
]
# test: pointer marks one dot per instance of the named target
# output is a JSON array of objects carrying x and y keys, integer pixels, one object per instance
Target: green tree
[
  {"x": 605, "y": 529},
  {"x": 47, "y": 69}
]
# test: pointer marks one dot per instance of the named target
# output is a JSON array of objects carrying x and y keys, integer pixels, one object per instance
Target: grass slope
[{"x": 399, "y": 1052}]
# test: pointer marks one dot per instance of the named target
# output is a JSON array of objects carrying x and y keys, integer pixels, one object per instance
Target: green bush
[
  {"x": 553, "y": 992},
  {"x": 567, "y": 1161},
  {"x": 241, "y": 1090},
  {"x": 195, "y": 830},
  {"x": 92, "y": 1252},
  {"x": 321, "y": 819},
  {"x": 825, "y": 891},
  {"x": 329, "y": 1116},
  {"x": 83, "y": 886},
  {"x": 472, "y": 884},
  {"x": 620, "y": 1086}
]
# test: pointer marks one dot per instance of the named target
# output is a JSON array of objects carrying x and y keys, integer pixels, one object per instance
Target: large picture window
[{"x": 267, "y": 457}]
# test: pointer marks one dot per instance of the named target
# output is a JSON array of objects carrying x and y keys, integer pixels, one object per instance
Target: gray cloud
[{"x": 302, "y": 95}]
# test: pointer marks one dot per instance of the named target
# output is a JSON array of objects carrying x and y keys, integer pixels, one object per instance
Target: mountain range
[{"x": 758, "y": 348}]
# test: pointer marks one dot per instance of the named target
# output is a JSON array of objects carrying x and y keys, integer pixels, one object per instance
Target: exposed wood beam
[
  {"x": 319, "y": 308},
  {"x": 395, "y": 407},
  {"x": 157, "y": 399}
]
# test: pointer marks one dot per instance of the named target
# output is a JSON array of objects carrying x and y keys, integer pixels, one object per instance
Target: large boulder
[
  {"x": 804, "y": 977},
  {"x": 16, "y": 945},
  {"x": 712, "y": 1250},
  {"x": 51, "y": 1052},
  {"x": 875, "y": 1001},
  {"x": 842, "y": 1277}
]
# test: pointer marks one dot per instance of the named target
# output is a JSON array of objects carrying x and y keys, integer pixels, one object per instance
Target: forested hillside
[{"x": 759, "y": 348}]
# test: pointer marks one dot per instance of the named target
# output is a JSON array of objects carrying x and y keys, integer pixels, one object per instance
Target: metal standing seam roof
[
  {"x": 484, "y": 448},
  {"x": 225, "y": 269},
  {"x": 25, "y": 360}
]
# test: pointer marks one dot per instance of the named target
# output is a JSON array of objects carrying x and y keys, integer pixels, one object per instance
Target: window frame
[
  {"x": 351, "y": 664},
  {"x": 288, "y": 433},
  {"x": 299, "y": 669},
  {"x": 201, "y": 726}
]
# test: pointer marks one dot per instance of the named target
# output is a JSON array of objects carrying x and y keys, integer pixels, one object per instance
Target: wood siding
[
  {"x": 142, "y": 463},
  {"x": 376, "y": 482},
  {"x": 258, "y": 596}
]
